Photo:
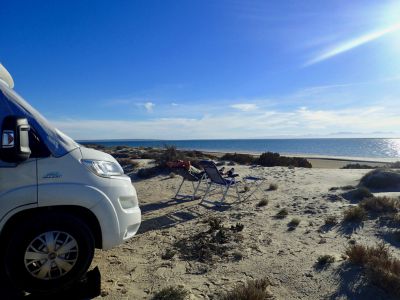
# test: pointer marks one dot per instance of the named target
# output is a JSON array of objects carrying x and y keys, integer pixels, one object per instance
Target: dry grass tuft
[
  {"x": 168, "y": 254},
  {"x": 171, "y": 293},
  {"x": 283, "y": 213},
  {"x": 294, "y": 222},
  {"x": 380, "y": 266},
  {"x": 273, "y": 187},
  {"x": 252, "y": 290},
  {"x": 331, "y": 220},
  {"x": 263, "y": 202},
  {"x": 324, "y": 260},
  {"x": 354, "y": 214},
  {"x": 217, "y": 243},
  {"x": 347, "y": 188},
  {"x": 381, "y": 204}
]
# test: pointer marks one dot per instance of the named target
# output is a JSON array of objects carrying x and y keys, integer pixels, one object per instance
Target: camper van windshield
[{"x": 57, "y": 142}]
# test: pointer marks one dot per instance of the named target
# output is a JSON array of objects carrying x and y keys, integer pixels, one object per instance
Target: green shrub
[
  {"x": 270, "y": 159},
  {"x": 239, "y": 158},
  {"x": 358, "y": 166}
]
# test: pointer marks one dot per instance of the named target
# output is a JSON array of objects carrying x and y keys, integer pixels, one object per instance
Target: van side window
[{"x": 38, "y": 148}]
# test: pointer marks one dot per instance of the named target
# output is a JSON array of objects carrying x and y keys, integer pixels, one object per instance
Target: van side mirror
[{"x": 15, "y": 140}]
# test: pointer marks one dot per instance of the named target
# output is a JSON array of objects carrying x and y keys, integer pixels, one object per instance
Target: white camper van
[{"x": 58, "y": 200}]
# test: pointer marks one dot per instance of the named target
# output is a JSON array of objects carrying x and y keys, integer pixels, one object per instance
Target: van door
[{"x": 18, "y": 185}]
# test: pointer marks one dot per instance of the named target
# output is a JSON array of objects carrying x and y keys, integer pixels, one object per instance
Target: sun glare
[{"x": 395, "y": 146}]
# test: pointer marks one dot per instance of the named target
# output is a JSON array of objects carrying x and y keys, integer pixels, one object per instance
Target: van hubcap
[{"x": 51, "y": 255}]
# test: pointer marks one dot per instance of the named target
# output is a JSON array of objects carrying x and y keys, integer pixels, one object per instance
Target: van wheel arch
[
  {"x": 48, "y": 252},
  {"x": 82, "y": 213}
]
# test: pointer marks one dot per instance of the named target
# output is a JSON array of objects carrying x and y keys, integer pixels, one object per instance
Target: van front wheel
[{"x": 49, "y": 252}]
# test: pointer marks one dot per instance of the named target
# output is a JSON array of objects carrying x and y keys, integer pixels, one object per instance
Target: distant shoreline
[
  {"x": 317, "y": 161},
  {"x": 375, "y": 150}
]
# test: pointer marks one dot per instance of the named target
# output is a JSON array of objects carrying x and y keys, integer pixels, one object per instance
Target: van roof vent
[{"x": 6, "y": 77}]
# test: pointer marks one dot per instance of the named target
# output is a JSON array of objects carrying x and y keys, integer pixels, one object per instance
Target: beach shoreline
[
  {"x": 317, "y": 161},
  {"x": 325, "y": 161}
]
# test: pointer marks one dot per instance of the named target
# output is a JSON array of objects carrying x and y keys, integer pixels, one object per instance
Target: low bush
[
  {"x": 219, "y": 242},
  {"x": 395, "y": 165},
  {"x": 294, "y": 222},
  {"x": 358, "y": 166},
  {"x": 283, "y": 213},
  {"x": 331, "y": 220},
  {"x": 262, "y": 202},
  {"x": 379, "y": 265},
  {"x": 168, "y": 254},
  {"x": 252, "y": 290},
  {"x": 324, "y": 260},
  {"x": 347, "y": 187},
  {"x": 171, "y": 293},
  {"x": 128, "y": 164},
  {"x": 239, "y": 158},
  {"x": 170, "y": 153},
  {"x": 381, "y": 179},
  {"x": 270, "y": 159},
  {"x": 146, "y": 173},
  {"x": 354, "y": 214},
  {"x": 361, "y": 193},
  {"x": 273, "y": 187},
  {"x": 381, "y": 204}
]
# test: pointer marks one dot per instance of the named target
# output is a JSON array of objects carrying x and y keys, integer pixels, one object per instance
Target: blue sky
[{"x": 207, "y": 69}]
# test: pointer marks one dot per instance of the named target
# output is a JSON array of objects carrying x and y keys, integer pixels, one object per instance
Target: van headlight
[{"x": 103, "y": 168}]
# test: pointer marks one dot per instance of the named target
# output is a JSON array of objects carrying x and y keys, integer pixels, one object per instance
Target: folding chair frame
[
  {"x": 216, "y": 179},
  {"x": 194, "y": 185}
]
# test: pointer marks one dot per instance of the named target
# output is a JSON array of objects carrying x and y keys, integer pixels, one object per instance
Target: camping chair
[
  {"x": 187, "y": 175},
  {"x": 215, "y": 178}
]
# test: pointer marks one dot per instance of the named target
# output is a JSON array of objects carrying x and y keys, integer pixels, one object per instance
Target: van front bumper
[{"x": 119, "y": 220}]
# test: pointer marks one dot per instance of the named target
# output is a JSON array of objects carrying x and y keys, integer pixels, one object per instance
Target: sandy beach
[{"x": 268, "y": 247}]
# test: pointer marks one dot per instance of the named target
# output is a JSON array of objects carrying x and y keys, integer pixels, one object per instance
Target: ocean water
[{"x": 368, "y": 148}]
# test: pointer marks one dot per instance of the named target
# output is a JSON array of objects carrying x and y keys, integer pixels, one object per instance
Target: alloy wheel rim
[{"x": 51, "y": 255}]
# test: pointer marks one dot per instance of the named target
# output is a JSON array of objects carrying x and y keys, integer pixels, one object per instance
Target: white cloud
[
  {"x": 298, "y": 122},
  {"x": 148, "y": 106},
  {"x": 245, "y": 106}
]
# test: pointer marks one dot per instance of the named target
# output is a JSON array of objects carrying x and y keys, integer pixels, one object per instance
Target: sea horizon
[{"x": 330, "y": 147}]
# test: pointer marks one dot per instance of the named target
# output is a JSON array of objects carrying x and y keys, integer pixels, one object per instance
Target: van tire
[{"x": 68, "y": 263}]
